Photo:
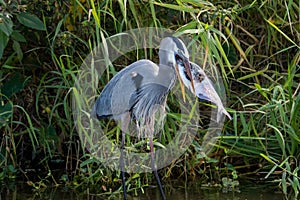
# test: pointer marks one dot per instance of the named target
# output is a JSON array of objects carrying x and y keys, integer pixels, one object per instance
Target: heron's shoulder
[
  {"x": 144, "y": 67},
  {"x": 143, "y": 63}
]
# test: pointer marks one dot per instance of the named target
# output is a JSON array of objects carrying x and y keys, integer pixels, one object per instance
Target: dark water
[{"x": 191, "y": 192}]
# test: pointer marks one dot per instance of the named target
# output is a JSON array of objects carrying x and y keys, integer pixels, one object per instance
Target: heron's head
[{"x": 172, "y": 51}]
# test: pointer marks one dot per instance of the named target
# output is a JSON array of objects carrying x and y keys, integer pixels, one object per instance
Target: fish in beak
[
  {"x": 187, "y": 68},
  {"x": 197, "y": 81}
]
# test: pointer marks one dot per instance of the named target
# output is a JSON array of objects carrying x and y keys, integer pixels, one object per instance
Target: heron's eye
[{"x": 178, "y": 59}]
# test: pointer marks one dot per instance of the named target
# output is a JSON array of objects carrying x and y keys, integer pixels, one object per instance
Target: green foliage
[
  {"x": 31, "y": 21},
  {"x": 9, "y": 27},
  {"x": 254, "y": 44},
  {"x": 8, "y": 89}
]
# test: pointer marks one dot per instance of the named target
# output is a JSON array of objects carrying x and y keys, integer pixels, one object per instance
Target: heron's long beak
[
  {"x": 180, "y": 82},
  {"x": 187, "y": 67}
]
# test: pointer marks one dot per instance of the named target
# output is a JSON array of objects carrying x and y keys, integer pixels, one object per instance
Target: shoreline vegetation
[{"x": 256, "y": 48}]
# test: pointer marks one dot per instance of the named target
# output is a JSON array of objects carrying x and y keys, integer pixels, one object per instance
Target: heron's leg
[
  {"x": 154, "y": 168},
  {"x": 122, "y": 165}
]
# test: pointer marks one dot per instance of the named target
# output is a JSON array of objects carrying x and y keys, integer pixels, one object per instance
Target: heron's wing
[{"x": 117, "y": 96}]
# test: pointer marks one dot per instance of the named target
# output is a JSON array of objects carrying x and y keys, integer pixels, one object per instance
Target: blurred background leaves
[{"x": 255, "y": 45}]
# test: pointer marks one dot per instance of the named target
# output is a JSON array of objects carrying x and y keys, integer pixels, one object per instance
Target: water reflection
[
  {"x": 205, "y": 193},
  {"x": 191, "y": 192}
]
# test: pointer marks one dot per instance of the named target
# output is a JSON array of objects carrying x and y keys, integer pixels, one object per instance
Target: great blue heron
[{"x": 135, "y": 91}]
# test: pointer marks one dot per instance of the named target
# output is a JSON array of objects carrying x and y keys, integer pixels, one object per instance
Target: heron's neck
[
  {"x": 166, "y": 58},
  {"x": 166, "y": 75}
]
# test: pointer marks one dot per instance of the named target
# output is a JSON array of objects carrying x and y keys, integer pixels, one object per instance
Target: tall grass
[{"x": 254, "y": 44}]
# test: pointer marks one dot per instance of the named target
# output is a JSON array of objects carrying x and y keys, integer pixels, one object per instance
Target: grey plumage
[
  {"x": 134, "y": 91},
  {"x": 139, "y": 92}
]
